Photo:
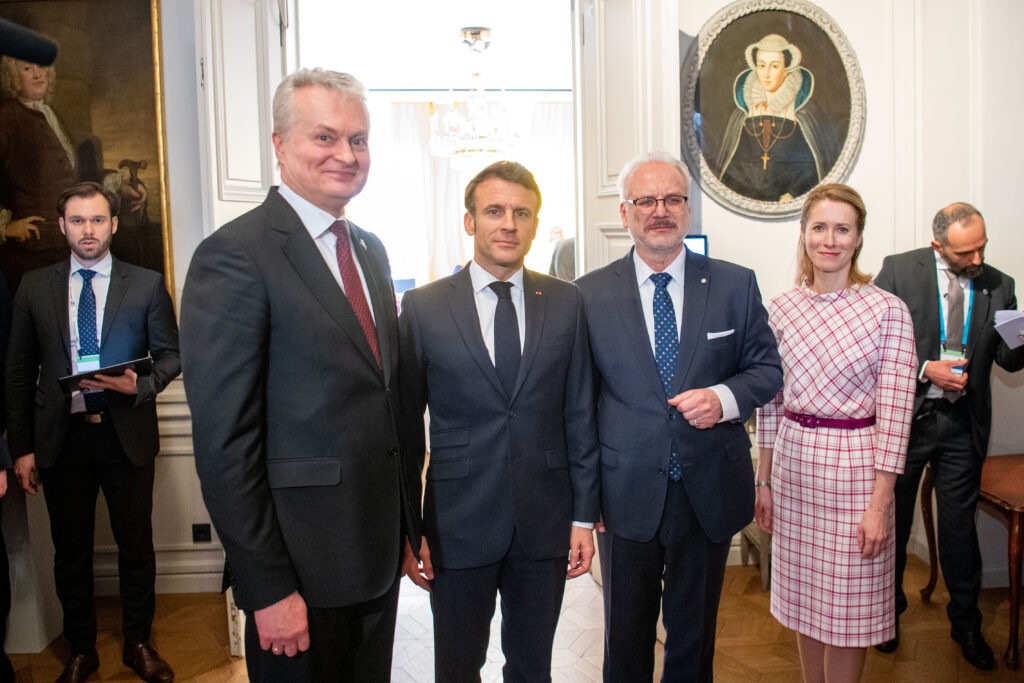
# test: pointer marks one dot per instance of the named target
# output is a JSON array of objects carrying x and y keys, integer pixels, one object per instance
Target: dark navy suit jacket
[
  {"x": 912, "y": 277},
  {"x": 638, "y": 429},
  {"x": 138, "y": 320},
  {"x": 524, "y": 464}
]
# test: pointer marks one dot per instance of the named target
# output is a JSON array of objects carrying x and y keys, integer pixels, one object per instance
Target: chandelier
[{"x": 475, "y": 127}]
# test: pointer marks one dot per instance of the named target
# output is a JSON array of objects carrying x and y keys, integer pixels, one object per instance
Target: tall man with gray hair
[
  {"x": 953, "y": 296},
  {"x": 290, "y": 355},
  {"x": 683, "y": 354}
]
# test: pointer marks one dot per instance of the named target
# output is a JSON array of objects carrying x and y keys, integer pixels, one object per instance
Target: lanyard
[{"x": 967, "y": 318}]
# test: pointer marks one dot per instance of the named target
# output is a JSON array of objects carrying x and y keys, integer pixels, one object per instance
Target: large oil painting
[
  {"x": 772, "y": 105},
  {"x": 95, "y": 114}
]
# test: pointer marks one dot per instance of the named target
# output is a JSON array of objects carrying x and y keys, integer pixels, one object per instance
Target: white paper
[{"x": 1010, "y": 326}]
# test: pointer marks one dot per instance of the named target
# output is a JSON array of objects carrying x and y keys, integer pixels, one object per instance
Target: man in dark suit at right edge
[{"x": 952, "y": 409}]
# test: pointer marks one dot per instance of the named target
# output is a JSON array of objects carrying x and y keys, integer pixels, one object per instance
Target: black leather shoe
[
  {"x": 79, "y": 667},
  {"x": 144, "y": 660},
  {"x": 889, "y": 646},
  {"x": 976, "y": 651}
]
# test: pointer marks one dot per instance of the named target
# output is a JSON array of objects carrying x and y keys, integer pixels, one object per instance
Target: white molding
[{"x": 907, "y": 196}]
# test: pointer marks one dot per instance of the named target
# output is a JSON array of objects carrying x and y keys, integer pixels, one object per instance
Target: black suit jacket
[
  {"x": 501, "y": 464},
  {"x": 138, "y": 320},
  {"x": 638, "y": 429},
  {"x": 295, "y": 426},
  {"x": 913, "y": 278}
]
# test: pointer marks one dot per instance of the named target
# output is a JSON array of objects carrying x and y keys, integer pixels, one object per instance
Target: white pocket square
[{"x": 718, "y": 335}]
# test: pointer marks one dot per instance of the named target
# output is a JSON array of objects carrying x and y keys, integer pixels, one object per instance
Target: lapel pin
[
  {"x": 703, "y": 280},
  {"x": 537, "y": 292},
  {"x": 985, "y": 292},
  {"x": 362, "y": 242}
]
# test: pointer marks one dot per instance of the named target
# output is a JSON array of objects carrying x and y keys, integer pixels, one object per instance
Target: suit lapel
[
  {"x": 382, "y": 300},
  {"x": 981, "y": 310},
  {"x": 305, "y": 258},
  {"x": 695, "y": 304},
  {"x": 462, "y": 302},
  {"x": 928, "y": 275},
  {"x": 535, "y": 304},
  {"x": 59, "y": 294},
  {"x": 627, "y": 299},
  {"x": 115, "y": 295}
]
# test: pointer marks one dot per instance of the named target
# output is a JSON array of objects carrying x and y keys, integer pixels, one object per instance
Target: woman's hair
[{"x": 835, "y": 192}]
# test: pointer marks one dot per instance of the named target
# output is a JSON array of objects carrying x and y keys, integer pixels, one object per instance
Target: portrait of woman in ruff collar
[
  {"x": 772, "y": 104},
  {"x": 775, "y": 146}
]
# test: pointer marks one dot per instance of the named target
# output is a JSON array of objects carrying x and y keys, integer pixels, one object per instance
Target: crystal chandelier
[{"x": 476, "y": 127}]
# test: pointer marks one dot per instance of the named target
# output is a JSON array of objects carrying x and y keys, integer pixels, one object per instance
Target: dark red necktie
[{"x": 353, "y": 286}]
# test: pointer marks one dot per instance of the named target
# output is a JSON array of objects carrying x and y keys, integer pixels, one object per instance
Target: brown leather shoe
[
  {"x": 79, "y": 667},
  {"x": 144, "y": 660}
]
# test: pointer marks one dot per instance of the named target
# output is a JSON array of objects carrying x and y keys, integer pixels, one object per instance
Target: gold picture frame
[
  {"x": 106, "y": 93},
  {"x": 772, "y": 104}
]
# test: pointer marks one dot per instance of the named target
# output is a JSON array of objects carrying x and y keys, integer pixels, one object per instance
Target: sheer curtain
[{"x": 414, "y": 201}]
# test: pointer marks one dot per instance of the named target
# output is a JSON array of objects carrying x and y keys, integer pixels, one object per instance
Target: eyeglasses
[{"x": 673, "y": 202}]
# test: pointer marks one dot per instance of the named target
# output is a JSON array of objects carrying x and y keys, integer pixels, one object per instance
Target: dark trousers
[
  {"x": 691, "y": 567},
  {"x": 93, "y": 459},
  {"x": 462, "y": 601},
  {"x": 352, "y": 643},
  {"x": 941, "y": 436}
]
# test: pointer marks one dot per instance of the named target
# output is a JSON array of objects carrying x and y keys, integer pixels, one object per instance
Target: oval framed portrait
[{"x": 772, "y": 105}]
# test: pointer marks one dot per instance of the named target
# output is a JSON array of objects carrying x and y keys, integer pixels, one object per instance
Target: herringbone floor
[{"x": 191, "y": 632}]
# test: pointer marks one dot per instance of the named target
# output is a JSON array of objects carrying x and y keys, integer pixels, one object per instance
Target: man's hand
[
  {"x": 581, "y": 551},
  {"x": 283, "y": 627},
  {"x": 420, "y": 571},
  {"x": 3, "y": 483},
  {"x": 599, "y": 526},
  {"x": 940, "y": 373},
  {"x": 24, "y": 228},
  {"x": 124, "y": 384},
  {"x": 700, "y": 407},
  {"x": 25, "y": 471}
]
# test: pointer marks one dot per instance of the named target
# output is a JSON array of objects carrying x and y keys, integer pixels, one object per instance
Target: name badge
[
  {"x": 953, "y": 355},
  {"x": 87, "y": 363}
]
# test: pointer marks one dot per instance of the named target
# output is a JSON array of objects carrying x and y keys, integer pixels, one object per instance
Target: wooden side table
[{"x": 1002, "y": 491}]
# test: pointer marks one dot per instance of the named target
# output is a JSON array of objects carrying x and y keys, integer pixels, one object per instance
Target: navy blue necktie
[
  {"x": 88, "y": 344},
  {"x": 506, "y": 336},
  {"x": 666, "y": 347}
]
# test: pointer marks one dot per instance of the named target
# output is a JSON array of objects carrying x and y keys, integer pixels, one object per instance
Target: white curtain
[{"x": 414, "y": 201}]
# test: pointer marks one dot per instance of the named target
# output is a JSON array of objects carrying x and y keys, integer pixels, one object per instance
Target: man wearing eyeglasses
[{"x": 683, "y": 355}]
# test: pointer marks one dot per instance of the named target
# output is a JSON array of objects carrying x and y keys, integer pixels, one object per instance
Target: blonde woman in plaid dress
[{"x": 832, "y": 443}]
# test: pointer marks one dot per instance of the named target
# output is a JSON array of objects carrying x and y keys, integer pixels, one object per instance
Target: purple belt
[{"x": 812, "y": 422}]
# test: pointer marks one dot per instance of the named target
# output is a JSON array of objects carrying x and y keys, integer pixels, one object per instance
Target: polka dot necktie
[
  {"x": 666, "y": 347},
  {"x": 88, "y": 344}
]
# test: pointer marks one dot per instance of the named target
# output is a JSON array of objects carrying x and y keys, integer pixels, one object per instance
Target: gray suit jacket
[
  {"x": 500, "y": 464},
  {"x": 639, "y": 430},
  {"x": 912, "y": 277},
  {"x": 138, "y": 320},
  {"x": 295, "y": 426}
]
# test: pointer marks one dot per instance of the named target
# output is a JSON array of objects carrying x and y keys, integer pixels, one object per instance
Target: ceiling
[{"x": 417, "y": 45}]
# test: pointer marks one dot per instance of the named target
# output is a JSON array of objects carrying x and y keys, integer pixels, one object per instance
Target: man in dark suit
[
  {"x": 499, "y": 355},
  {"x": 89, "y": 312},
  {"x": 676, "y": 476},
  {"x": 956, "y": 345},
  {"x": 290, "y": 349}
]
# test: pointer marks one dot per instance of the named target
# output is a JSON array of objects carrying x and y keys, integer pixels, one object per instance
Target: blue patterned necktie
[
  {"x": 507, "y": 353},
  {"x": 88, "y": 344},
  {"x": 666, "y": 347}
]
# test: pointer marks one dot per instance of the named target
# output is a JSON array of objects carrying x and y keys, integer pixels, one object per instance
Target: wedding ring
[
  {"x": 277, "y": 650},
  {"x": 696, "y": 424}
]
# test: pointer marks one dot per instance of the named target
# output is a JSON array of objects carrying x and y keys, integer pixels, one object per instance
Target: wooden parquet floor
[{"x": 190, "y": 631}]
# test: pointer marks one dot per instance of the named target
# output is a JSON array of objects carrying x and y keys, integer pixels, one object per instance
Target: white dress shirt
[
  {"x": 100, "y": 287},
  {"x": 318, "y": 222},
  {"x": 677, "y": 269},
  {"x": 487, "y": 303}
]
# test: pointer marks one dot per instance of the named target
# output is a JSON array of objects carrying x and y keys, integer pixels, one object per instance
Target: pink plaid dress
[{"x": 847, "y": 354}]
